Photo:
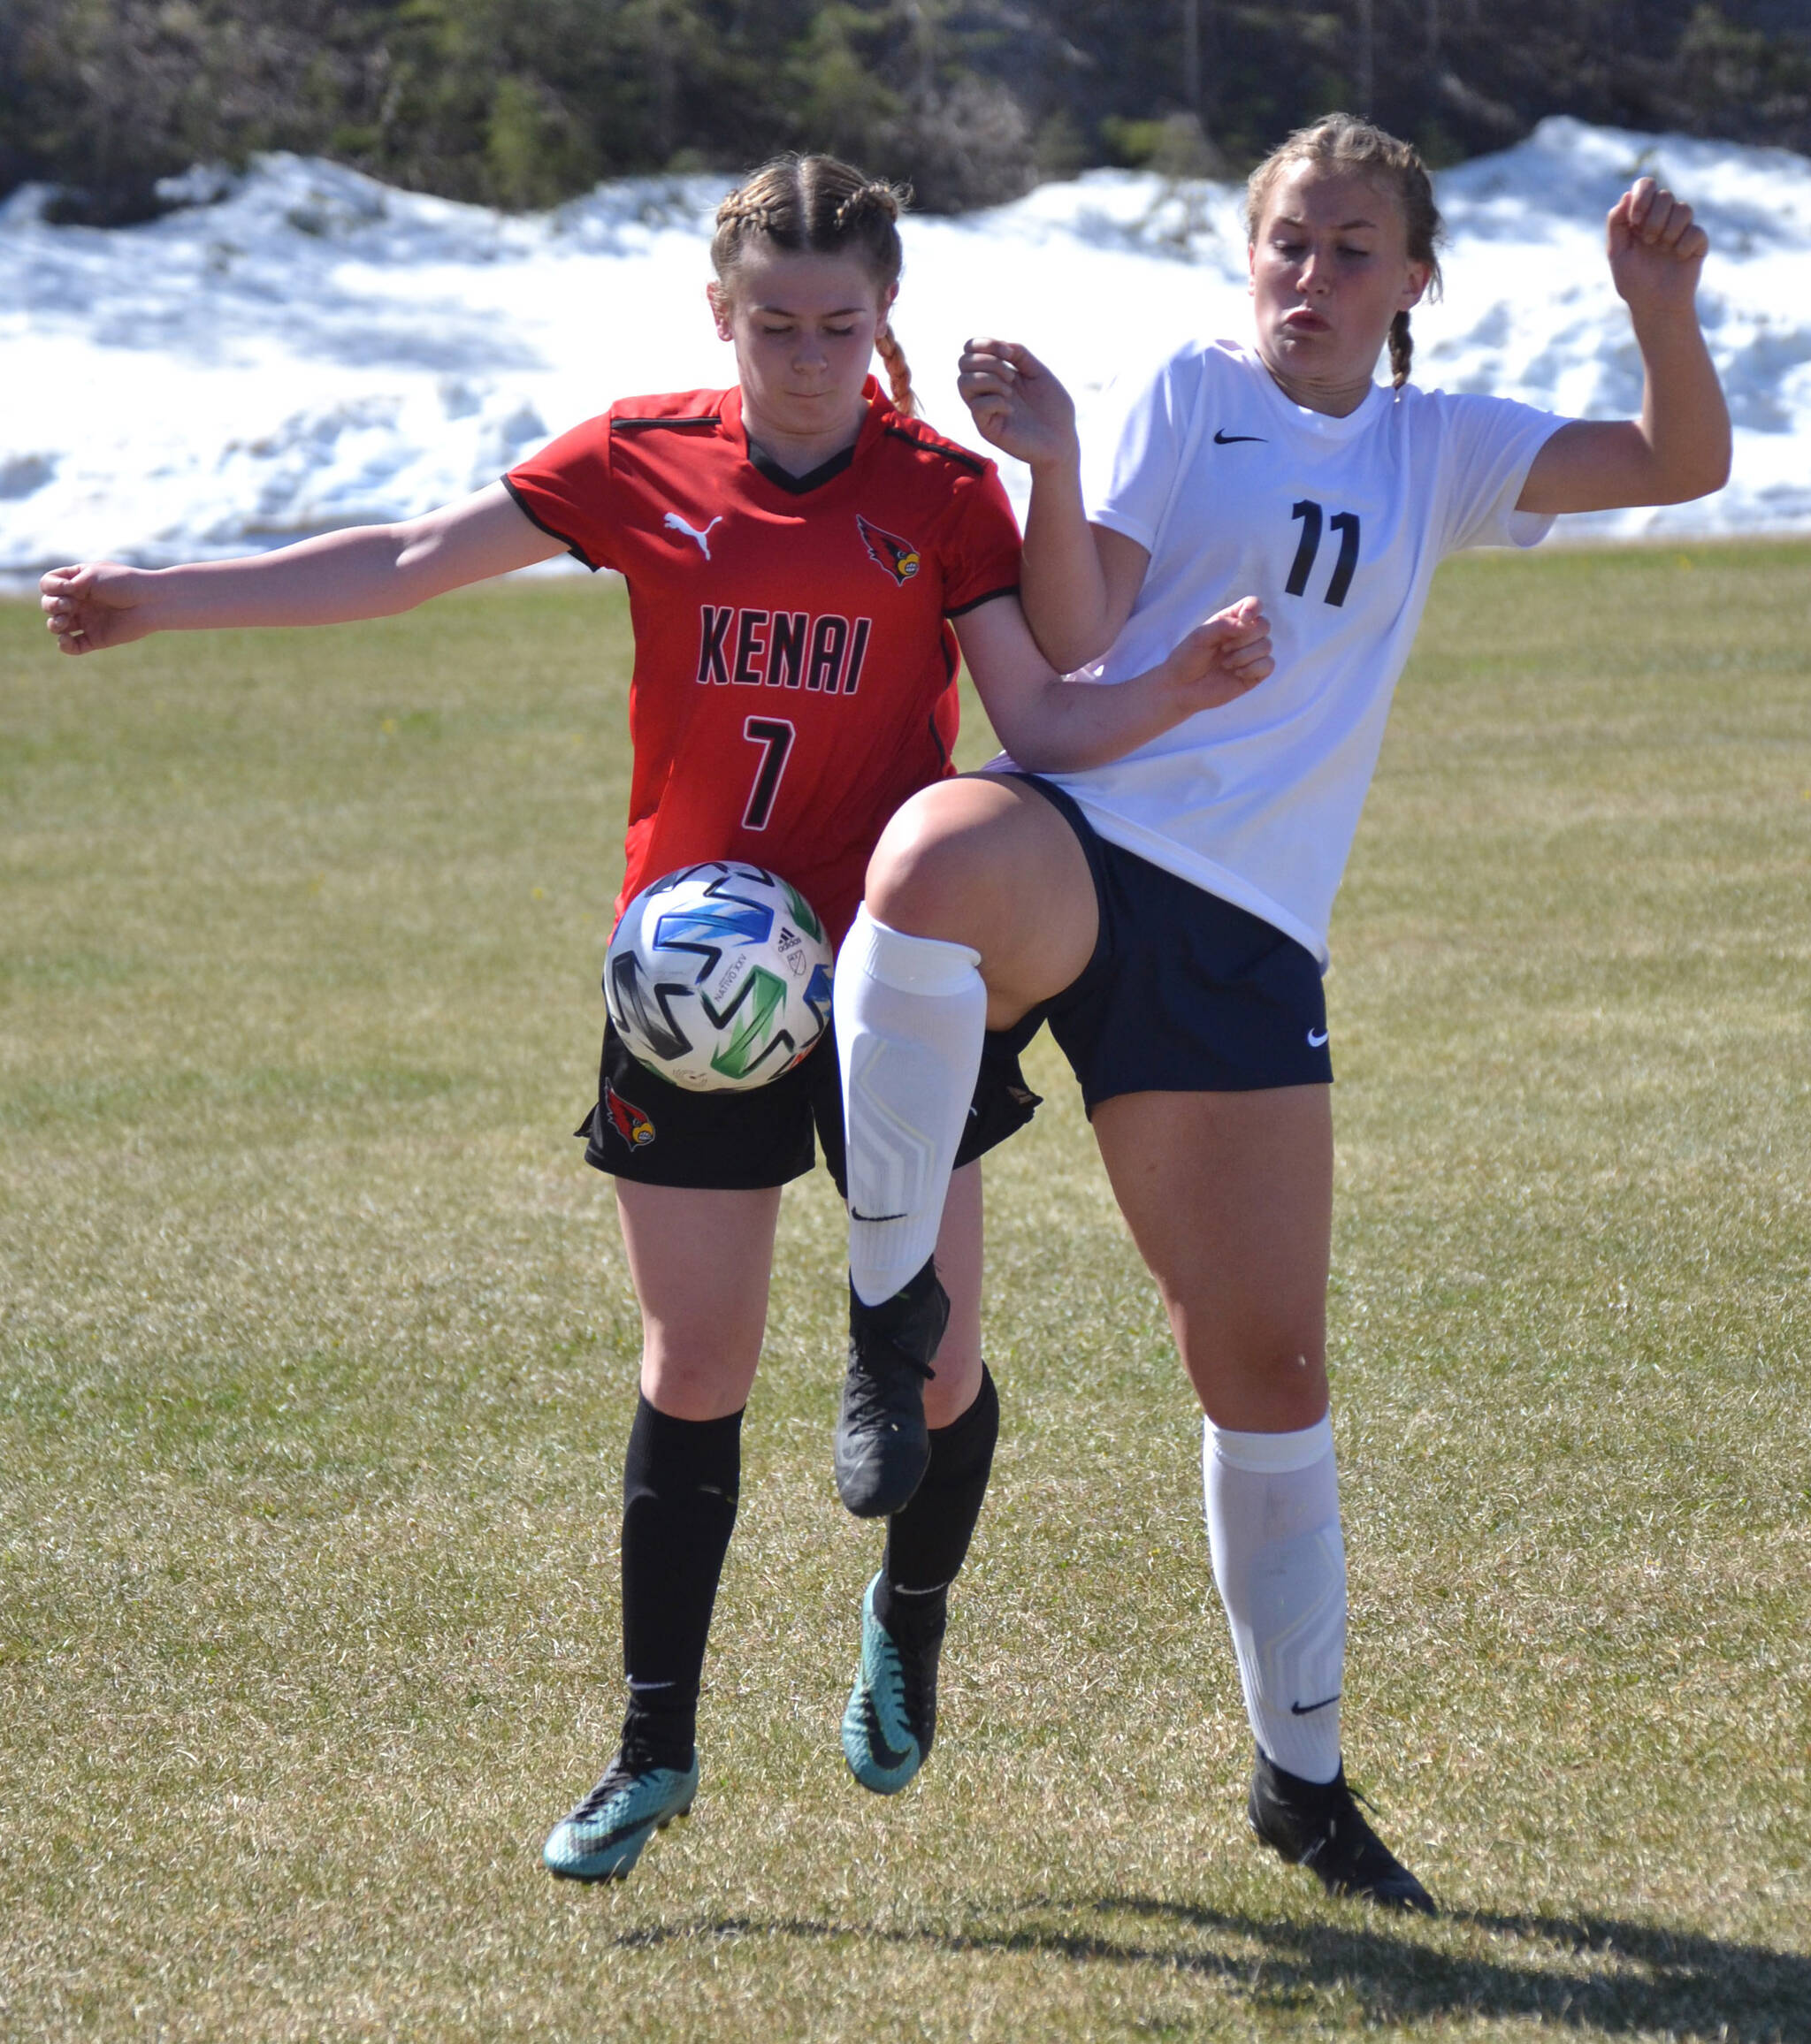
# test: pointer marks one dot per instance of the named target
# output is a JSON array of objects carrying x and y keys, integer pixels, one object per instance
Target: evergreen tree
[{"x": 523, "y": 103}]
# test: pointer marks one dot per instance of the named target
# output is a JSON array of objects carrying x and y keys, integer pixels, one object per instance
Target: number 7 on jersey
[{"x": 773, "y": 736}]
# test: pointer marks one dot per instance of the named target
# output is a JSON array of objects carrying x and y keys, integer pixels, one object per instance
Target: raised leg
[{"x": 979, "y": 904}]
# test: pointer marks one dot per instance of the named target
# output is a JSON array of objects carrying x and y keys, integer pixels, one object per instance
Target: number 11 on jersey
[
  {"x": 1346, "y": 524},
  {"x": 773, "y": 736}
]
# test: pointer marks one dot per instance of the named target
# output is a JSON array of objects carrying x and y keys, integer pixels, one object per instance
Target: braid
[
  {"x": 814, "y": 205},
  {"x": 899, "y": 371},
  {"x": 873, "y": 203},
  {"x": 746, "y": 212},
  {"x": 1402, "y": 350}
]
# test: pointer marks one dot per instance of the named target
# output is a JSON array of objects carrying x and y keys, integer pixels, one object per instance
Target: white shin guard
[
  {"x": 1279, "y": 1561},
  {"x": 911, "y": 1013}
]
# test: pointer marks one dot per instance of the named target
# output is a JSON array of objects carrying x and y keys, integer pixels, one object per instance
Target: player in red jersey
[
  {"x": 804, "y": 561},
  {"x": 792, "y": 642}
]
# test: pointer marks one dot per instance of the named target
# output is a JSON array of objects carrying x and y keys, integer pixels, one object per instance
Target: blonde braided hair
[
  {"x": 1342, "y": 141},
  {"x": 821, "y": 206}
]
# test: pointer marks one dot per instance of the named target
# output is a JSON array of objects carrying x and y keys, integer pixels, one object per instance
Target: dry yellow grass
[{"x": 316, "y": 1353}]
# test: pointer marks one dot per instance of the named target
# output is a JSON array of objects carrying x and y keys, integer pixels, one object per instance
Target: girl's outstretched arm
[
  {"x": 366, "y": 571},
  {"x": 1054, "y": 726},
  {"x": 1679, "y": 447},
  {"x": 1079, "y": 580}
]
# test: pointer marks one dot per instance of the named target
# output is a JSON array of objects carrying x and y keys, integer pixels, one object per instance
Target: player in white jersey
[{"x": 1167, "y": 913}]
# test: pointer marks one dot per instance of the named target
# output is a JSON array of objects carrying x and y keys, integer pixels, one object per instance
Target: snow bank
[{"x": 303, "y": 348}]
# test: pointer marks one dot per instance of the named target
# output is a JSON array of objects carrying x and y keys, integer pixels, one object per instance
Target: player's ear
[
  {"x": 1415, "y": 287},
  {"x": 889, "y": 297},
  {"x": 718, "y": 298}
]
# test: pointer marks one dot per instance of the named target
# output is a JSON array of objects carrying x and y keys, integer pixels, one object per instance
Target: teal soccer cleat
[
  {"x": 892, "y": 1714},
  {"x": 602, "y": 1839}
]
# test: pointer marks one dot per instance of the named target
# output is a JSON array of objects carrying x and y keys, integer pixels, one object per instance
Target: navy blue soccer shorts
[{"x": 1184, "y": 993}]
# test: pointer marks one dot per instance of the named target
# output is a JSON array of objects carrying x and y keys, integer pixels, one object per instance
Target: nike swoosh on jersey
[{"x": 1222, "y": 439}]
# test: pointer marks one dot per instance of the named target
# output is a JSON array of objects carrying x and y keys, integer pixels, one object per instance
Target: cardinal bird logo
[
  {"x": 898, "y": 557},
  {"x": 630, "y": 1123}
]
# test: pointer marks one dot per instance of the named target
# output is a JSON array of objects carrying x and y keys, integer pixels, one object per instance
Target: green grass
[{"x": 318, "y": 1352}]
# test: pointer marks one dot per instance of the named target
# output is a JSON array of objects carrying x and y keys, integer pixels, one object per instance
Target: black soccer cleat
[
  {"x": 883, "y": 1445},
  {"x": 1319, "y": 1825}
]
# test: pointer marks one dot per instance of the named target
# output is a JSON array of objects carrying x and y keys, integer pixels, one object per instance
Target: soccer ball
[{"x": 718, "y": 976}]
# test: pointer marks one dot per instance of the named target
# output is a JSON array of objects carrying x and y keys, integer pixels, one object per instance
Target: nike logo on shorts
[{"x": 1316, "y": 1037}]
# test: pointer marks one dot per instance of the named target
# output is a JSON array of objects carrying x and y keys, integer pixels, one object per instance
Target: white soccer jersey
[{"x": 1338, "y": 524}]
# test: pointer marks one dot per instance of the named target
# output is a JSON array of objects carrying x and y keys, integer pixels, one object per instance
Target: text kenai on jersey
[{"x": 780, "y": 649}]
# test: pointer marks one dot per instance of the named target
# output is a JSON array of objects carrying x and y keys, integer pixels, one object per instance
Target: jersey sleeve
[
  {"x": 1487, "y": 449},
  {"x": 981, "y": 546},
  {"x": 1129, "y": 469},
  {"x": 569, "y": 491}
]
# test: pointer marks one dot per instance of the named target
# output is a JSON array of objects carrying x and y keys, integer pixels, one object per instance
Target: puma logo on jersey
[
  {"x": 676, "y": 523},
  {"x": 898, "y": 557}
]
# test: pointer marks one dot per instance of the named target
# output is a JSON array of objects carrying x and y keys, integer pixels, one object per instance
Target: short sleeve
[
  {"x": 569, "y": 491},
  {"x": 981, "y": 546},
  {"x": 1129, "y": 474},
  {"x": 1488, "y": 445}
]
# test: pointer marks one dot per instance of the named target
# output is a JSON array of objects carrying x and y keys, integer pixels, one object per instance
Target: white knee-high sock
[
  {"x": 911, "y": 1013},
  {"x": 1279, "y": 1560}
]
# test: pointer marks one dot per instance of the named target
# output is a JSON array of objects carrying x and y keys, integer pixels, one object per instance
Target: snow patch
[{"x": 303, "y": 349}]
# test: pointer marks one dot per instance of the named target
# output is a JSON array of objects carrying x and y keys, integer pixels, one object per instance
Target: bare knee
[
  {"x": 1277, "y": 1389},
  {"x": 929, "y": 872},
  {"x": 697, "y": 1379},
  {"x": 988, "y": 862}
]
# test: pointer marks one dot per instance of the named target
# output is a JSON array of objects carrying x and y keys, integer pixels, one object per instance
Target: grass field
[{"x": 317, "y": 1357}]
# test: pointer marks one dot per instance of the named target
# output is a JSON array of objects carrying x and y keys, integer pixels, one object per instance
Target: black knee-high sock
[
  {"x": 680, "y": 1478},
  {"x": 925, "y": 1543}
]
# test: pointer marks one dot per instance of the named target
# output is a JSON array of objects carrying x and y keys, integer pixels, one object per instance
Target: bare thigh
[
  {"x": 985, "y": 860},
  {"x": 1229, "y": 1198},
  {"x": 701, "y": 1264}
]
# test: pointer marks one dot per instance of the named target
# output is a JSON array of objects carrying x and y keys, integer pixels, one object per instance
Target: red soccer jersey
[{"x": 795, "y": 667}]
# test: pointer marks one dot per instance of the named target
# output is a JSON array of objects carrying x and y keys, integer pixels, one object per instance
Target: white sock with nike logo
[
  {"x": 1279, "y": 1561},
  {"x": 911, "y": 1013}
]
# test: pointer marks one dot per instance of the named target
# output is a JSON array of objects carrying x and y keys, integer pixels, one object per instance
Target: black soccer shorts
[{"x": 644, "y": 1127}]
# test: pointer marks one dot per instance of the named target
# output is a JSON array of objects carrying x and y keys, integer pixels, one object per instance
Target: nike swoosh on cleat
[
  {"x": 855, "y": 1215},
  {"x": 1308, "y": 1710},
  {"x": 889, "y": 1757},
  {"x": 1222, "y": 439}
]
